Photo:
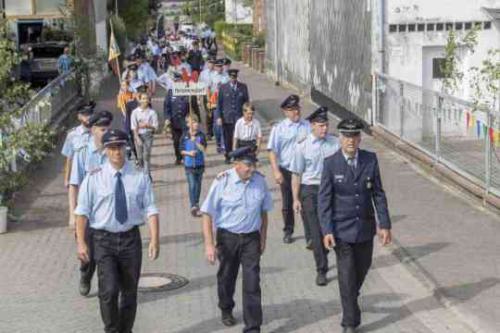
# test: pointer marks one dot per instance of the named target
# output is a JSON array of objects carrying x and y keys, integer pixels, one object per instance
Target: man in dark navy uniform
[
  {"x": 175, "y": 109},
  {"x": 232, "y": 96},
  {"x": 349, "y": 196}
]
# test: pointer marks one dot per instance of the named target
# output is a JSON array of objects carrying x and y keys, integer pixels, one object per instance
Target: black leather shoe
[
  {"x": 309, "y": 245},
  {"x": 349, "y": 329},
  {"x": 321, "y": 279},
  {"x": 84, "y": 287},
  {"x": 287, "y": 239},
  {"x": 228, "y": 319}
]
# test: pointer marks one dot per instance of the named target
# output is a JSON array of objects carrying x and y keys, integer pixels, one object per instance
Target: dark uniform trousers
[
  {"x": 87, "y": 269},
  {"x": 234, "y": 250},
  {"x": 209, "y": 117},
  {"x": 309, "y": 200},
  {"x": 119, "y": 259},
  {"x": 353, "y": 262},
  {"x": 287, "y": 198},
  {"x": 176, "y": 138},
  {"x": 228, "y": 137}
]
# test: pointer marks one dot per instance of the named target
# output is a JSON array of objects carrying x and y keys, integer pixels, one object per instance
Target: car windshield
[{"x": 47, "y": 52}]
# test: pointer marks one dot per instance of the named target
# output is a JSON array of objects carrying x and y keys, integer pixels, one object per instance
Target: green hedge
[{"x": 240, "y": 29}]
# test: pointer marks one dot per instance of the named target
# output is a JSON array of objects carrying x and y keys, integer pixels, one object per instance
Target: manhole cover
[{"x": 161, "y": 282}]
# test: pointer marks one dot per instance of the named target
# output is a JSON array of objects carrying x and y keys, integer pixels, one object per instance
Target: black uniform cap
[
  {"x": 244, "y": 154},
  {"x": 233, "y": 72},
  {"x": 219, "y": 62},
  {"x": 114, "y": 137},
  {"x": 87, "y": 108},
  {"x": 350, "y": 127},
  {"x": 227, "y": 61},
  {"x": 177, "y": 76},
  {"x": 211, "y": 59},
  {"x": 291, "y": 102},
  {"x": 319, "y": 116},
  {"x": 101, "y": 118}
]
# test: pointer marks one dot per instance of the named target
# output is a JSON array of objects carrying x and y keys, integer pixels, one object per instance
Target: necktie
[
  {"x": 352, "y": 166},
  {"x": 121, "y": 213}
]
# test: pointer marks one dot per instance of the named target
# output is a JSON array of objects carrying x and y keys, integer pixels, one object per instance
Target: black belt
[
  {"x": 311, "y": 186},
  {"x": 122, "y": 233},
  {"x": 224, "y": 231}
]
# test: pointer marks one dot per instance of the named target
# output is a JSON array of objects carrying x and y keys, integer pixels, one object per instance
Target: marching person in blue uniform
[
  {"x": 232, "y": 96},
  {"x": 87, "y": 159},
  {"x": 218, "y": 78},
  {"x": 350, "y": 195},
  {"x": 306, "y": 166},
  {"x": 114, "y": 201},
  {"x": 237, "y": 205},
  {"x": 75, "y": 139},
  {"x": 281, "y": 146},
  {"x": 175, "y": 110}
]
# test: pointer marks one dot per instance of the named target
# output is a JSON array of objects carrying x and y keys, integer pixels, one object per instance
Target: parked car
[{"x": 43, "y": 60}]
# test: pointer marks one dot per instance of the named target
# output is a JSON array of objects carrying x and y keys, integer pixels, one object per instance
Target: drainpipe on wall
[
  {"x": 382, "y": 36},
  {"x": 276, "y": 39},
  {"x": 379, "y": 66}
]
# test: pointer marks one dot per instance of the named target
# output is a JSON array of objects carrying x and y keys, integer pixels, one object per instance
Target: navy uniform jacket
[
  {"x": 175, "y": 109},
  {"x": 346, "y": 201},
  {"x": 230, "y": 102}
]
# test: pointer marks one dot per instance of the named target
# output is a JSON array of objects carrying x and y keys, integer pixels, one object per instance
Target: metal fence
[
  {"x": 52, "y": 100},
  {"x": 446, "y": 128},
  {"x": 47, "y": 106}
]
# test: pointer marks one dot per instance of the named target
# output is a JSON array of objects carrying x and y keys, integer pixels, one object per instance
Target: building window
[
  {"x": 437, "y": 68},
  {"x": 487, "y": 25},
  {"x": 16, "y": 7},
  {"x": 402, "y": 28},
  {"x": 439, "y": 27},
  {"x": 421, "y": 27},
  {"x": 478, "y": 24},
  {"x": 49, "y": 6},
  {"x": 430, "y": 27},
  {"x": 459, "y": 26},
  {"x": 468, "y": 25},
  {"x": 449, "y": 26},
  {"x": 393, "y": 28},
  {"x": 411, "y": 27}
]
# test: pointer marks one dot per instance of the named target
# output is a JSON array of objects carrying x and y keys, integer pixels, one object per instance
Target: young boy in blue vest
[{"x": 192, "y": 147}]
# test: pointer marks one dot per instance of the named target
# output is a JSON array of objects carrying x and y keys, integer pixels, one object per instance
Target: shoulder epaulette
[
  {"x": 300, "y": 140},
  {"x": 81, "y": 148},
  {"x": 257, "y": 172},
  {"x": 93, "y": 172},
  {"x": 222, "y": 175}
]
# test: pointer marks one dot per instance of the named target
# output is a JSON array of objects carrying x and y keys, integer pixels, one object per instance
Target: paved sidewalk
[{"x": 39, "y": 275}]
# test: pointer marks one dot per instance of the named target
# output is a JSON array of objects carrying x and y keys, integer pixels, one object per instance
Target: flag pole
[{"x": 119, "y": 74}]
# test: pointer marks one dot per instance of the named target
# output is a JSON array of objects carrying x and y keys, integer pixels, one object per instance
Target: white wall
[{"x": 404, "y": 50}]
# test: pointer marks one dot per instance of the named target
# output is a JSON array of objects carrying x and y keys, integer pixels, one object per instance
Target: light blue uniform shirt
[
  {"x": 235, "y": 205},
  {"x": 86, "y": 160},
  {"x": 217, "y": 80},
  {"x": 146, "y": 73},
  {"x": 284, "y": 137},
  {"x": 96, "y": 199},
  {"x": 309, "y": 156},
  {"x": 75, "y": 140}
]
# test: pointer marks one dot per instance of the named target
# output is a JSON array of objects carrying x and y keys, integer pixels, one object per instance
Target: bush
[{"x": 221, "y": 27}]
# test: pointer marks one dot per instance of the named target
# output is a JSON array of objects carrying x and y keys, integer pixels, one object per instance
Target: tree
[
  {"x": 484, "y": 79},
  {"x": 135, "y": 14},
  {"x": 32, "y": 140}
]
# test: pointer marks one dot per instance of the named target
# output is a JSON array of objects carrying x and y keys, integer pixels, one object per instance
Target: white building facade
[{"x": 417, "y": 32}]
